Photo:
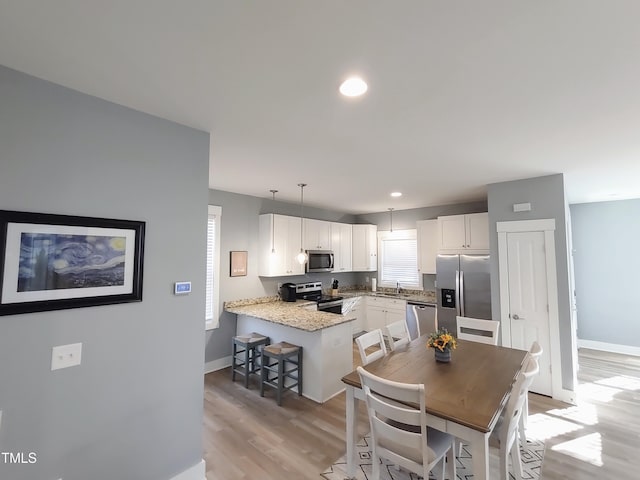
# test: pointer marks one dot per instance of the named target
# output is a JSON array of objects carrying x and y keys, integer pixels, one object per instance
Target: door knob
[{"x": 516, "y": 317}]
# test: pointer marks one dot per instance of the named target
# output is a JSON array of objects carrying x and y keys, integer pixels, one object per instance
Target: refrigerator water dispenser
[{"x": 448, "y": 298}]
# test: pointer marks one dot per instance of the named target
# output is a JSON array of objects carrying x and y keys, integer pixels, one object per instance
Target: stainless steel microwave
[{"x": 319, "y": 261}]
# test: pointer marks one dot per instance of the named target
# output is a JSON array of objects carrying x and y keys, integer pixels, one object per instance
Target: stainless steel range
[{"x": 313, "y": 291}]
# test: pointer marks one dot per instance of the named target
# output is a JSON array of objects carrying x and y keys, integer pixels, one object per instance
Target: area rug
[{"x": 531, "y": 464}]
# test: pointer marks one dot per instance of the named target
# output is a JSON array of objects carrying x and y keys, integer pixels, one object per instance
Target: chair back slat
[
  {"x": 398, "y": 334},
  {"x": 374, "y": 342},
  {"x": 477, "y": 330}
]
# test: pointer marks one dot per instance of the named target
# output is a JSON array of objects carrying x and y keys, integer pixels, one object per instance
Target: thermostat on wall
[{"x": 182, "y": 288}]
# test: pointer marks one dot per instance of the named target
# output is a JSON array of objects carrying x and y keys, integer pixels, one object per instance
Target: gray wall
[
  {"x": 547, "y": 198},
  {"x": 133, "y": 409},
  {"x": 606, "y": 263},
  {"x": 239, "y": 231}
]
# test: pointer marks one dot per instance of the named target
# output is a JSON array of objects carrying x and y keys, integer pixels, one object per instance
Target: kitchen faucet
[{"x": 397, "y": 288}]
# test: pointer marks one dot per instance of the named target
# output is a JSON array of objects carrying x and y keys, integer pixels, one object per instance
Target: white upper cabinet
[
  {"x": 464, "y": 233},
  {"x": 427, "y": 245},
  {"x": 477, "y": 229},
  {"x": 279, "y": 243},
  {"x": 341, "y": 239},
  {"x": 317, "y": 234},
  {"x": 365, "y": 248}
]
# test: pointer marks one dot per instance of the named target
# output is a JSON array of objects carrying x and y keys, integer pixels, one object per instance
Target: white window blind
[
  {"x": 398, "y": 259},
  {"x": 212, "y": 286}
]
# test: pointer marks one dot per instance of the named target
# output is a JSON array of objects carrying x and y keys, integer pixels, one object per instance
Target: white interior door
[{"x": 528, "y": 300}]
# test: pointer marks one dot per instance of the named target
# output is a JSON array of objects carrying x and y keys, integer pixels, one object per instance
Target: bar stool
[
  {"x": 245, "y": 353},
  {"x": 287, "y": 364}
]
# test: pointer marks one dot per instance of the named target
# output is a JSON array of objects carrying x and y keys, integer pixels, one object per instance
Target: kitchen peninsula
[{"x": 325, "y": 338}]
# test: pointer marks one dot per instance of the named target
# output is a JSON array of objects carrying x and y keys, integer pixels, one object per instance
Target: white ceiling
[{"x": 461, "y": 93}]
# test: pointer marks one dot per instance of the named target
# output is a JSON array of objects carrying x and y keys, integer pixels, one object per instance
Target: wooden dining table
[{"x": 463, "y": 397}]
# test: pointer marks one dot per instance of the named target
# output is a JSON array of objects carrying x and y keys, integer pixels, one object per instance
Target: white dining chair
[
  {"x": 399, "y": 432},
  {"x": 397, "y": 334},
  {"x": 505, "y": 433},
  {"x": 477, "y": 330},
  {"x": 535, "y": 352},
  {"x": 374, "y": 342}
]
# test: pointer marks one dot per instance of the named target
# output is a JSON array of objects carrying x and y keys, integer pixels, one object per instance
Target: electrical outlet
[
  {"x": 366, "y": 279},
  {"x": 64, "y": 356}
]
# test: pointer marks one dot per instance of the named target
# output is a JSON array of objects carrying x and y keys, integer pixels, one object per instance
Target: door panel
[
  {"x": 447, "y": 267},
  {"x": 528, "y": 300},
  {"x": 476, "y": 280}
]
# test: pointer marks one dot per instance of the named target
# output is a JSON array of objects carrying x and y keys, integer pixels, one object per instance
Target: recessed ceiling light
[
  {"x": 353, "y": 87},
  {"x": 396, "y": 194}
]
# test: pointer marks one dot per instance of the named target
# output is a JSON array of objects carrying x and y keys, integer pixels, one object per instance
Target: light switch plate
[{"x": 64, "y": 356}]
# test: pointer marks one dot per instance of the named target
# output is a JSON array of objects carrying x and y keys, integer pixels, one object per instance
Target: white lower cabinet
[{"x": 383, "y": 311}]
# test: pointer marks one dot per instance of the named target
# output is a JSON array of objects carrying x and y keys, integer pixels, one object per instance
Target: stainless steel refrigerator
[{"x": 463, "y": 288}]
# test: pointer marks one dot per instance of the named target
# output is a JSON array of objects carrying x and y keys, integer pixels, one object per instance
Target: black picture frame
[{"x": 55, "y": 262}]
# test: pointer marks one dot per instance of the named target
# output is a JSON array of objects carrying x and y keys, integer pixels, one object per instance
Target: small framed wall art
[
  {"x": 53, "y": 262},
  {"x": 238, "y": 264}
]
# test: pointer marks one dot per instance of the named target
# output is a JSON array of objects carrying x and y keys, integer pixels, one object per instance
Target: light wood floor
[{"x": 246, "y": 436}]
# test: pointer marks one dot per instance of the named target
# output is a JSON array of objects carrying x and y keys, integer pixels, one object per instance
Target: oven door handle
[{"x": 324, "y": 305}]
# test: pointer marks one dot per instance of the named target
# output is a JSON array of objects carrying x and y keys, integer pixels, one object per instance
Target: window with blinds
[
  {"x": 398, "y": 259},
  {"x": 212, "y": 286}
]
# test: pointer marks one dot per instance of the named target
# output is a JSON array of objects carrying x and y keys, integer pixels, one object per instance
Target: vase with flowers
[{"x": 442, "y": 343}]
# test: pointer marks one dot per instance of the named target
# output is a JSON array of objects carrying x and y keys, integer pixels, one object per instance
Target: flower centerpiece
[{"x": 442, "y": 343}]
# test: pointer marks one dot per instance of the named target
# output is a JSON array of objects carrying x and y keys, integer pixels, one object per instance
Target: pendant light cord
[
  {"x": 273, "y": 227},
  {"x": 302, "y": 256},
  {"x": 301, "y": 185}
]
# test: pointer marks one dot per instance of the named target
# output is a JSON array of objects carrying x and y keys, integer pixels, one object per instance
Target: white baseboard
[
  {"x": 609, "y": 347},
  {"x": 566, "y": 396},
  {"x": 197, "y": 472},
  {"x": 218, "y": 364}
]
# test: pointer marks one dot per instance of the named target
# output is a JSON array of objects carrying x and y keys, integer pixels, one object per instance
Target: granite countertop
[
  {"x": 291, "y": 314},
  {"x": 427, "y": 296}
]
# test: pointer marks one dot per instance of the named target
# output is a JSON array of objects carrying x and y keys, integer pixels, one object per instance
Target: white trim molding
[
  {"x": 218, "y": 364},
  {"x": 197, "y": 472},
  {"x": 609, "y": 347},
  {"x": 527, "y": 225},
  {"x": 547, "y": 226}
]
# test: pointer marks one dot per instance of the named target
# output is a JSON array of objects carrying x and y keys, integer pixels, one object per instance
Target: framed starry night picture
[{"x": 53, "y": 262}]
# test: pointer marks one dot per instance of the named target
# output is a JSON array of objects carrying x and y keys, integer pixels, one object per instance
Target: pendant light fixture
[
  {"x": 301, "y": 257},
  {"x": 390, "y": 219},
  {"x": 273, "y": 227}
]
